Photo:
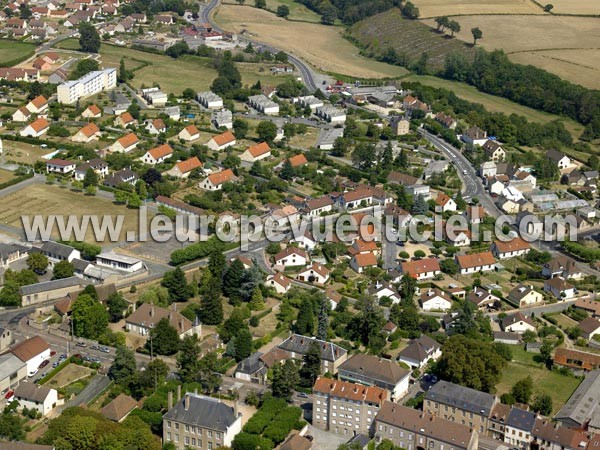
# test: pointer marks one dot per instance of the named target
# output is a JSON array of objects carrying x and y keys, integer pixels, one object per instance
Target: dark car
[
  {"x": 43, "y": 364},
  {"x": 81, "y": 344}
]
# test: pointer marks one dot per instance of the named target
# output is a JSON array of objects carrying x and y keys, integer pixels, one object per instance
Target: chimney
[
  {"x": 170, "y": 400},
  {"x": 178, "y": 393},
  {"x": 186, "y": 400},
  {"x": 152, "y": 311}
]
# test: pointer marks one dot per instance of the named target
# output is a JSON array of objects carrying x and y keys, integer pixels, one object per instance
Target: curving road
[{"x": 305, "y": 71}]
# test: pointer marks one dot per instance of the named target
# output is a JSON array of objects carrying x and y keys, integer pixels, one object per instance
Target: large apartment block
[
  {"x": 346, "y": 408},
  {"x": 200, "y": 422},
  {"x": 416, "y": 430},
  {"x": 90, "y": 84},
  {"x": 460, "y": 404}
]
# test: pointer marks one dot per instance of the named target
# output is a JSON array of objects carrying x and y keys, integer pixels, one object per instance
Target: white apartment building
[{"x": 90, "y": 84}]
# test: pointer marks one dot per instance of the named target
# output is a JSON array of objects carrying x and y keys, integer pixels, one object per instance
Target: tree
[
  {"x": 311, "y": 367},
  {"x": 63, "y": 269},
  {"x": 454, "y": 27},
  {"x": 124, "y": 75},
  {"x": 164, "y": 338},
  {"x": 408, "y": 287},
  {"x": 84, "y": 67},
  {"x": 89, "y": 39},
  {"x": 522, "y": 390},
  {"x": 188, "y": 358},
  {"x": 211, "y": 307},
  {"x": 233, "y": 278},
  {"x": 240, "y": 128},
  {"x": 442, "y": 22},
  {"x": 37, "y": 262},
  {"x": 262, "y": 4},
  {"x": 419, "y": 206},
  {"x": 305, "y": 323},
  {"x": 176, "y": 284},
  {"x": 283, "y": 11},
  {"x": 217, "y": 264},
  {"x": 546, "y": 353},
  {"x": 542, "y": 404},
  {"x": 449, "y": 266},
  {"x": 410, "y": 11},
  {"x": 123, "y": 366},
  {"x": 141, "y": 189},
  {"x": 116, "y": 305},
  {"x": 91, "y": 178},
  {"x": 89, "y": 317},
  {"x": 323, "y": 318},
  {"x": 285, "y": 379},
  {"x": 549, "y": 7},
  {"x": 25, "y": 11},
  {"x": 243, "y": 345},
  {"x": 179, "y": 49},
  {"x": 257, "y": 301},
  {"x": 266, "y": 131},
  {"x": 134, "y": 201},
  {"x": 461, "y": 205},
  {"x": 477, "y": 34},
  {"x": 287, "y": 172}
]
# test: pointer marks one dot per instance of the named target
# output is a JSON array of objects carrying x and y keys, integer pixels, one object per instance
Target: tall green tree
[
  {"x": 37, "y": 262},
  {"x": 116, "y": 306},
  {"x": 323, "y": 318},
  {"x": 285, "y": 379},
  {"x": 177, "y": 285},
  {"x": 89, "y": 39},
  {"x": 522, "y": 390},
  {"x": 164, "y": 338},
  {"x": 233, "y": 278},
  {"x": 90, "y": 178},
  {"x": 89, "y": 316},
  {"x": 266, "y": 131},
  {"x": 123, "y": 366},
  {"x": 211, "y": 306},
  {"x": 477, "y": 34},
  {"x": 62, "y": 269},
  {"x": 243, "y": 345},
  {"x": 311, "y": 365},
  {"x": 188, "y": 359},
  {"x": 305, "y": 323}
]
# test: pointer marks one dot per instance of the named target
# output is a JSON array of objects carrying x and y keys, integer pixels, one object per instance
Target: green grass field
[
  {"x": 297, "y": 10},
  {"x": 13, "y": 52},
  {"x": 559, "y": 387}
]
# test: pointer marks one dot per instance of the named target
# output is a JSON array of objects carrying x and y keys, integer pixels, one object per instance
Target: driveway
[{"x": 324, "y": 440}]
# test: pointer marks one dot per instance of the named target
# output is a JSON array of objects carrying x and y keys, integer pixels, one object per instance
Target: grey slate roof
[
  {"x": 419, "y": 349},
  {"x": 461, "y": 397},
  {"x": 7, "y": 249},
  {"x": 251, "y": 364},
  {"x": 50, "y": 285},
  {"x": 585, "y": 401},
  {"x": 205, "y": 412},
  {"x": 9, "y": 364},
  {"x": 55, "y": 248},
  {"x": 521, "y": 419},
  {"x": 32, "y": 392},
  {"x": 300, "y": 344},
  {"x": 374, "y": 369}
]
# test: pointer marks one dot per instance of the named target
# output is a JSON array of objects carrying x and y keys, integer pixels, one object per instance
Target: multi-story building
[
  {"x": 519, "y": 425},
  {"x": 90, "y": 84},
  {"x": 200, "y": 422},
  {"x": 460, "y": 404},
  {"x": 372, "y": 371},
  {"x": 346, "y": 408},
  {"x": 332, "y": 355},
  {"x": 415, "y": 430}
]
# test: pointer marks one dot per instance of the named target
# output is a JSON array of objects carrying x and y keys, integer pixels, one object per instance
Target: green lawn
[
  {"x": 559, "y": 387},
  {"x": 13, "y": 52},
  {"x": 297, "y": 10}
]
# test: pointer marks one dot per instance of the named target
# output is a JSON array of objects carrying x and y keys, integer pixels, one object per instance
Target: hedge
[{"x": 16, "y": 180}]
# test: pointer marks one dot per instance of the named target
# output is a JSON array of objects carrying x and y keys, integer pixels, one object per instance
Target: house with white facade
[
  {"x": 433, "y": 299},
  {"x": 291, "y": 257},
  {"x": 315, "y": 273},
  {"x": 158, "y": 154},
  {"x": 36, "y": 396},
  {"x": 476, "y": 262}
]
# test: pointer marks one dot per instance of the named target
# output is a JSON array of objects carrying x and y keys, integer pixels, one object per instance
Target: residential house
[
  {"x": 363, "y": 196},
  {"x": 38, "y": 105},
  {"x": 412, "y": 429},
  {"x": 493, "y": 150},
  {"x": 507, "y": 337},
  {"x": 279, "y": 282},
  {"x": 297, "y": 160},
  {"x": 459, "y": 404},
  {"x": 560, "y": 159},
  {"x": 56, "y": 252},
  {"x": 263, "y": 104},
  {"x": 576, "y": 359},
  {"x": 519, "y": 426},
  {"x": 119, "y": 408},
  {"x": 256, "y": 152},
  {"x": 221, "y": 141},
  {"x": 474, "y": 136},
  {"x": 560, "y": 288},
  {"x": 291, "y": 257},
  {"x": 510, "y": 249},
  {"x": 119, "y": 262},
  {"x": 164, "y": 19},
  {"x": 316, "y": 273},
  {"x": 124, "y": 144},
  {"x": 446, "y": 120},
  {"x": 125, "y": 120},
  {"x": 215, "y": 181},
  {"x": 97, "y": 165},
  {"x": 381, "y": 290},
  {"x": 189, "y": 133},
  {"x": 475, "y": 214},
  {"x": 60, "y": 166},
  {"x": 41, "y": 64},
  {"x": 561, "y": 266},
  {"x": 305, "y": 241},
  {"x": 548, "y": 435},
  {"x": 32, "y": 352},
  {"x": 119, "y": 177},
  {"x": 222, "y": 119},
  {"x": 482, "y": 298},
  {"x": 420, "y": 351},
  {"x": 197, "y": 421},
  {"x": 37, "y": 128},
  {"x": 158, "y": 154},
  {"x": 155, "y": 126},
  {"x": 47, "y": 291},
  {"x": 252, "y": 369},
  {"x": 589, "y": 305},
  {"x": 476, "y": 262},
  {"x": 524, "y": 295},
  {"x": 589, "y": 327},
  {"x": 488, "y": 169},
  {"x": 318, "y": 206},
  {"x": 296, "y": 346},
  {"x": 10, "y": 253},
  {"x": 518, "y": 323},
  {"x": 434, "y": 299},
  {"x": 445, "y": 203},
  {"x": 421, "y": 269},
  {"x": 346, "y": 408},
  {"x": 92, "y": 112},
  {"x": 375, "y": 371},
  {"x": 36, "y": 396},
  {"x": 146, "y": 316},
  {"x": 209, "y": 100},
  {"x": 183, "y": 169},
  {"x": 12, "y": 372},
  {"x": 362, "y": 261},
  {"x": 22, "y": 114},
  {"x": 87, "y": 133}
]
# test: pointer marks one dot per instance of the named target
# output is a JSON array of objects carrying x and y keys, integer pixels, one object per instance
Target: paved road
[{"x": 96, "y": 386}]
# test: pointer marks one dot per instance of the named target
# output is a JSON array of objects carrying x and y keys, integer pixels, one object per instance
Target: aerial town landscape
[{"x": 299, "y": 225}]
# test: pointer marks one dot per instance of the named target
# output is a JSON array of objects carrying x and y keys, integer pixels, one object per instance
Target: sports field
[
  {"x": 320, "y": 45},
  {"x": 435, "y": 8}
]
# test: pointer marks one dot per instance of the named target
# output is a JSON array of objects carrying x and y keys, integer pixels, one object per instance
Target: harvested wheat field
[
  {"x": 320, "y": 45},
  {"x": 578, "y": 66},
  {"x": 45, "y": 200},
  {"x": 435, "y": 8},
  {"x": 581, "y": 7}
]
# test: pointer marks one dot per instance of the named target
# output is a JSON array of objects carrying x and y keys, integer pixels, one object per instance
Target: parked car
[
  {"x": 81, "y": 344},
  {"x": 94, "y": 347},
  {"x": 52, "y": 353},
  {"x": 9, "y": 395},
  {"x": 55, "y": 364},
  {"x": 43, "y": 364},
  {"x": 105, "y": 349}
]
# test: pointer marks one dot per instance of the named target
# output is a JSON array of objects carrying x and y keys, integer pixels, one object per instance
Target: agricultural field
[
  {"x": 435, "y": 8},
  {"x": 14, "y": 51},
  {"x": 559, "y": 387},
  {"x": 580, "y": 7},
  {"x": 544, "y": 39},
  {"x": 322, "y": 46},
  {"x": 6, "y": 175},
  {"x": 408, "y": 37},
  {"x": 22, "y": 152},
  {"x": 252, "y": 72},
  {"x": 44, "y": 200},
  {"x": 297, "y": 10}
]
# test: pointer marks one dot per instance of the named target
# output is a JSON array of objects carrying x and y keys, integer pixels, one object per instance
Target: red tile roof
[
  {"x": 161, "y": 151},
  {"x": 223, "y": 138},
  {"x": 221, "y": 177},
  {"x": 350, "y": 391},
  {"x": 421, "y": 266},
  {"x": 259, "y": 149},
  {"x": 475, "y": 260},
  {"x": 189, "y": 164}
]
